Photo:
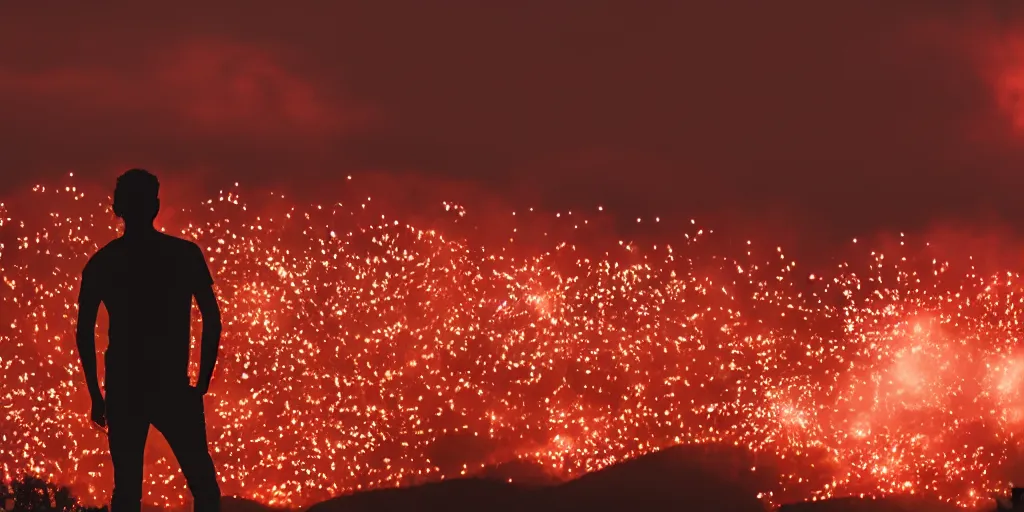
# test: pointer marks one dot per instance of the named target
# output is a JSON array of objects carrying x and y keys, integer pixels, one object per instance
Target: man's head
[{"x": 136, "y": 197}]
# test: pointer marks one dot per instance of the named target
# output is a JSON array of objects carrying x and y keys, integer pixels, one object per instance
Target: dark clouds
[
  {"x": 848, "y": 115},
  {"x": 205, "y": 87}
]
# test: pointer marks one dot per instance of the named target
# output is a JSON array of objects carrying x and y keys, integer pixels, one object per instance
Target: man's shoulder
[
  {"x": 191, "y": 256},
  {"x": 178, "y": 247},
  {"x": 103, "y": 256},
  {"x": 175, "y": 243}
]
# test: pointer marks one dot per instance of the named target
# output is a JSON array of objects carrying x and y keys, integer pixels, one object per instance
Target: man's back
[{"x": 147, "y": 282}]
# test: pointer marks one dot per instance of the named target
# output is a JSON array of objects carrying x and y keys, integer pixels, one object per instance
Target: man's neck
[{"x": 134, "y": 230}]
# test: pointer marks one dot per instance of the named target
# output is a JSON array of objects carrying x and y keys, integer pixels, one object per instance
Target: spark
[{"x": 355, "y": 343}]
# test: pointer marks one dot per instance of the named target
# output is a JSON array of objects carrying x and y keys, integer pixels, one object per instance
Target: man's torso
[{"x": 146, "y": 284}]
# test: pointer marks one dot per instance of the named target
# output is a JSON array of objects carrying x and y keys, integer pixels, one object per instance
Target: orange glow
[{"x": 355, "y": 344}]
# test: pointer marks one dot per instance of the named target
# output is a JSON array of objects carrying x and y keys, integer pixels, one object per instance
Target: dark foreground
[
  {"x": 660, "y": 481},
  {"x": 676, "y": 479}
]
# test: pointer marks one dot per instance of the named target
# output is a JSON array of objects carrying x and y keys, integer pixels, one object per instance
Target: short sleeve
[{"x": 201, "y": 277}]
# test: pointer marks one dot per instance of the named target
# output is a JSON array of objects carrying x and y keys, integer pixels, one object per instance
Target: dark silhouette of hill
[
  {"x": 694, "y": 479},
  {"x": 464, "y": 494},
  {"x": 887, "y": 504},
  {"x": 680, "y": 478},
  {"x": 673, "y": 479}
]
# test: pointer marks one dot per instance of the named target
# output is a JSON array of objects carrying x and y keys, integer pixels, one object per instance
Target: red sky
[{"x": 856, "y": 115}]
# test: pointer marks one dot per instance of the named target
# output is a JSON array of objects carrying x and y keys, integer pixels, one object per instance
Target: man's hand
[{"x": 99, "y": 411}]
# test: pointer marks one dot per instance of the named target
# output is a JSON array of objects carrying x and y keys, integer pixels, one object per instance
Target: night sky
[{"x": 839, "y": 117}]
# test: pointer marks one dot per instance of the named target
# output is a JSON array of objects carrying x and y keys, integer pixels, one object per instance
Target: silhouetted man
[{"x": 146, "y": 280}]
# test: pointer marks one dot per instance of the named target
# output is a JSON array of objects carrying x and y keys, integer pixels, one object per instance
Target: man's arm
[
  {"x": 206, "y": 299},
  {"x": 88, "y": 308}
]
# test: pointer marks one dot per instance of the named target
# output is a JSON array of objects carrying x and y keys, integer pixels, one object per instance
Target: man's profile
[{"x": 146, "y": 280}]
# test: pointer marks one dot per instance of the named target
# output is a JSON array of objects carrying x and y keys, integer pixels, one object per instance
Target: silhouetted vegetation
[{"x": 31, "y": 494}]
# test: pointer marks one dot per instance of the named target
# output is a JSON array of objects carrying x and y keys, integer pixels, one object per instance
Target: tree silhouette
[{"x": 33, "y": 494}]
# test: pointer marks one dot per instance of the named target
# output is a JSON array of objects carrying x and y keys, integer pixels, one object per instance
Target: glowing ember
[{"x": 354, "y": 342}]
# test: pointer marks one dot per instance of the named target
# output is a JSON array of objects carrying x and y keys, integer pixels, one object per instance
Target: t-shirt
[{"x": 146, "y": 282}]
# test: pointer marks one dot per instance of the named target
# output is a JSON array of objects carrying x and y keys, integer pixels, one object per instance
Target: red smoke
[{"x": 199, "y": 86}]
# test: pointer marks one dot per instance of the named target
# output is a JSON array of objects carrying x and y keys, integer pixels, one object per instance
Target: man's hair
[{"x": 137, "y": 192}]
